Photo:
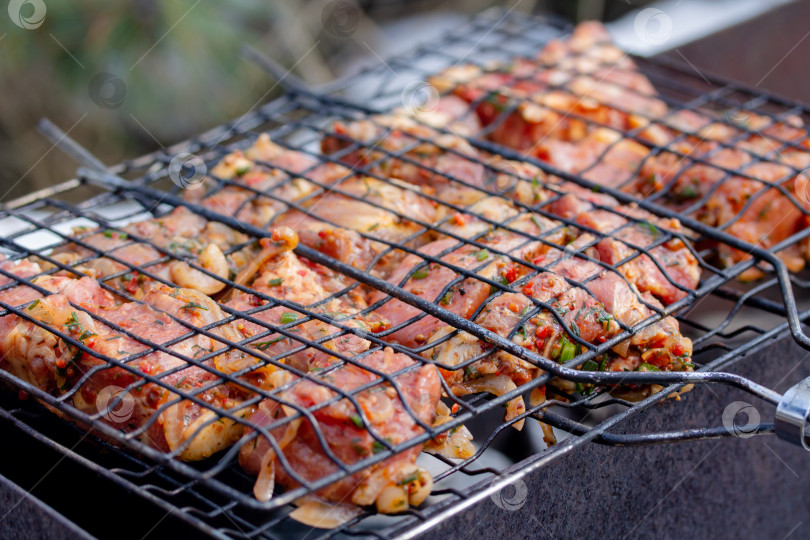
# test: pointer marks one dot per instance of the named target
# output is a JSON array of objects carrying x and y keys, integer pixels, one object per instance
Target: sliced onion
[
  {"x": 288, "y": 240},
  {"x": 494, "y": 384},
  {"x": 173, "y": 426},
  {"x": 266, "y": 482},
  {"x": 318, "y": 513}
]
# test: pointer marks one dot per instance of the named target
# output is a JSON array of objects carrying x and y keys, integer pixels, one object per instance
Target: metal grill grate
[{"x": 216, "y": 490}]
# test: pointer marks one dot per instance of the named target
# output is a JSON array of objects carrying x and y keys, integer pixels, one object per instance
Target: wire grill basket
[{"x": 723, "y": 317}]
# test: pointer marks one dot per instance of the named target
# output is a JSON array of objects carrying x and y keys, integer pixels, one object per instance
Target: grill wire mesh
[{"x": 216, "y": 493}]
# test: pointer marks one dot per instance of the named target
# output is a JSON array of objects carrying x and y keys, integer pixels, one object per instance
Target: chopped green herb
[
  {"x": 650, "y": 227},
  {"x": 568, "y": 350},
  {"x": 525, "y": 311},
  {"x": 373, "y": 227},
  {"x": 481, "y": 255},
  {"x": 377, "y": 447},
  {"x": 471, "y": 373},
  {"x": 447, "y": 298},
  {"x": 590, "y": 365},
  {"x": 34, "y": 304},
  {"x": 192, "y": 305},
  {"x": 357, "y": 421},
  {"x": 243, "y": 169},
  {"x": 275, "y": 282},
  {"x": 108, "y": 233},
  {"x": 73, "y": 323},
  {"x": 420, "y": 274},
  {"x": 498, "y": 101},
  {"x": 288, "y": 317},
  {"x": 605, "y": 318},
  {"x": 86, "y": 334},
  {"x": 262, "y": 345},
  {"x": 685, "y": 194},
  {"x": 648, "y": 367},
  {"x": 201, "y": 350},
  {"x": 413, "y": 477}
]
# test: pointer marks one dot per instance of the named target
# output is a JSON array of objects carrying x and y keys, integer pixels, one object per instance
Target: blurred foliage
[
  {"x": 177, "y": 61},
  {"x": 128, "y": 76}
]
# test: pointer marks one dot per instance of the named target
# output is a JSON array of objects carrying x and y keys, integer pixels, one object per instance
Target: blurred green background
[{"x": 129, "y": 76}]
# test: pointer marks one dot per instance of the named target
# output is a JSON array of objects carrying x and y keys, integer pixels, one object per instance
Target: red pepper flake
[
  {"x": 321, "y": 234},
  {"x": 511, "y": 273},
  {"x": 147, "y": 368},
  {"x": 132, "y": 286},
  {"x": 303, "y": 273},
  {"x": 601, "y": 339},
  {"x": 539, "y": 260},
  {"x": 455, "y": 408},
  {"x": 528, "y": 289},
  {"x": 543, "y": 331},
  {"x": 60, "y": 363},
  {"x": 459, "y": 219},
  {"x": 276, "y": 236},
  {"x": 678, "y": 350},
  {"x": 539, "y": 343}
]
